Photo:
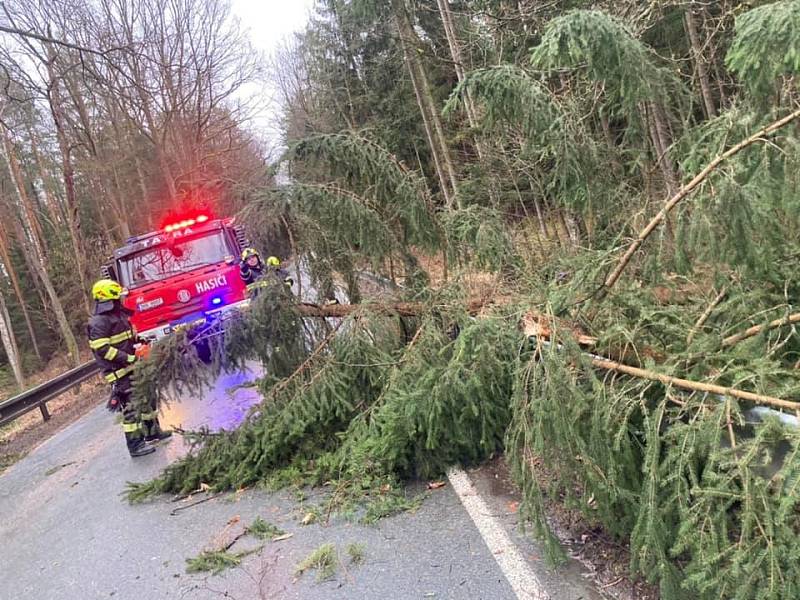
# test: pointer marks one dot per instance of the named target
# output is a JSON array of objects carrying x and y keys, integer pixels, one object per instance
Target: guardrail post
[{"x": 45, "y": 412}]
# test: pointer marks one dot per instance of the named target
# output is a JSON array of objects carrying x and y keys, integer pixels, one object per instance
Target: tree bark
[
  {"x": 10, "y": 343},
  {"x": 143, "y": 188},
  {"x": 469, "y": 103},
  {"x": 700, "y": 63},
  {"x": 661, "y": 143},
  {"x": 540, "y": 212},
  {"x": 571, "y": 226},
  {"x": 116, "y": 199},
  {"x": 32, "y": 272}
]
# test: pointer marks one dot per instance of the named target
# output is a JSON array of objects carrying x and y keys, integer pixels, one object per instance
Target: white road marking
[{"x": 522, "y": 579}]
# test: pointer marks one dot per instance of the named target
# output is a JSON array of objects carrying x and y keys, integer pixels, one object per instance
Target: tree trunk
[
  {"x": 700, "y": 63},
  {"x": 540, "y": 218},
  {"x": 409, "y": 42},
  {"x": 73, "y": 210},
  {"x": 437, "y": 163},
  {"x": 665, "y": 141},
  {"x": 105, "y": 208},
  {"x": 723, "y": 95},
  {"x": 145, "y": 194},
  {"x": 5, "y": 255},
  {"x": 469, "y": 104},
  {"x": 38, "y": 261},
  {"x": 53, "y": 209},
  {"x": 609, "y": 139},
  {"x": 10, "y": 343},
  {"x": 32, "y": 272},
  {"x": 571, "y": 226},
  {"x": 541, "y": 215},
  {"x": 158, "y": 146},
  {"x": 116, "y": 198},
  {"x": 66, "y": 333},
  {"x": 349, "y": 60},
  {"x": 25, "y": 202},
  {"x": 455, "y": 53},
  {"x": 95, "y": 175}
]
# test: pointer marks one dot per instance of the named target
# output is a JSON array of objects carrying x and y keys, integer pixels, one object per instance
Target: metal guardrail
[{"x": 37, "y": 397}]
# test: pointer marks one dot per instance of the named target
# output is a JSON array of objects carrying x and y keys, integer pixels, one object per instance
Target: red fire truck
[{"x": 185, "y": 273}]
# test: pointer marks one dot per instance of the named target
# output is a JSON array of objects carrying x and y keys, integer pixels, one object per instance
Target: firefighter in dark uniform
[
  {"x": 253, "y": 270},
  {"x": 112, "y": 339}
]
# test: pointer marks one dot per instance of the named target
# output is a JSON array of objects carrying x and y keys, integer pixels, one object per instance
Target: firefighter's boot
[
  {"x": 152, "y": 428},
  {"x": 140, "y": 449},
  {"x": 133, "y": 433},
  {"x": 158, "y": 437}
]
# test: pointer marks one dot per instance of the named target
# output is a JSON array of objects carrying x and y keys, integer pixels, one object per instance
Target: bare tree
[{"x": 34, "y": 248}]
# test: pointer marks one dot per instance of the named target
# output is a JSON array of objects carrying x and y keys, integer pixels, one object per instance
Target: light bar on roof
[{"x": 185, "y": 223}]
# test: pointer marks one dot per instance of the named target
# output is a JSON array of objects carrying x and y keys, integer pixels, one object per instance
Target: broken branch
[
  {"x": 707, "y": 313},
  {"x": 696, "y": 386},
  {"x": 756, "y": 329},
  {"x": 683, "y": 193}
]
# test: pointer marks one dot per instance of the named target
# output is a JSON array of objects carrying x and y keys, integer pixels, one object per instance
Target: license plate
[{"x": 150, "y": 304}]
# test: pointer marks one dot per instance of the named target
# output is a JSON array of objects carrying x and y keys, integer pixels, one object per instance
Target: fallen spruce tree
[
  {"x": 373, "y": 399},
  {"x": 363, "y": 398},
  {"x": 380, "y": 397},
  {"x": 661, "y": 325}
]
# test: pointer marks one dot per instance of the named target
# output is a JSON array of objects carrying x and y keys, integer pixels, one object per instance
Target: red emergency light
[{"x": 185, "y": 223}]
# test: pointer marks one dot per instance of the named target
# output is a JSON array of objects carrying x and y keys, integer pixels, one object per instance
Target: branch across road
[{"x": 60, "y": 501}]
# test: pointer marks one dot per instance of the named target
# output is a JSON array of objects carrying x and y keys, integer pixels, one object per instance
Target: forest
[{"x": 583, "y": 217}]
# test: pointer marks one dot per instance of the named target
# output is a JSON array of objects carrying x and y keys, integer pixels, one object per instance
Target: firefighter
[
  {"x": 274, "y": 267},
  {"x": 253, "y": 269},
  {"x": 112, "y": 339}
]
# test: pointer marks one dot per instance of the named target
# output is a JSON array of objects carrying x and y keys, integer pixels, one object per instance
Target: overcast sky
[{"x": 268, "y": 22}]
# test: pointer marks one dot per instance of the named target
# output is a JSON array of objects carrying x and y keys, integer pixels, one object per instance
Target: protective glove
[{"x": 113, "y": 404}]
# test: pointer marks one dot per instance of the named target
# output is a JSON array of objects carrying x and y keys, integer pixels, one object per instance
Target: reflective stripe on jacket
[{"x": 111, "y": 339}]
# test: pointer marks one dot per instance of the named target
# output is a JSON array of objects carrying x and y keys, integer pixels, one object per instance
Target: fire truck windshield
[{"x": 167, "y": 259}]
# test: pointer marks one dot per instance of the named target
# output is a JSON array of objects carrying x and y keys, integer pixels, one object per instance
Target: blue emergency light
[{"x": 216, "y": 301}]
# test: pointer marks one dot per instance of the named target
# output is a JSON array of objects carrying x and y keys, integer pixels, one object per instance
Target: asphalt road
[{"x": 68, "y": 534}]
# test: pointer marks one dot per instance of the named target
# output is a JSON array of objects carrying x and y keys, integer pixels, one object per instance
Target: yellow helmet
[
  {"x": 248, "y": 252},
  {"x": 106, "y": 289},
  {"x": 273, "y": 261}
]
